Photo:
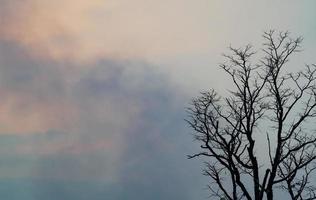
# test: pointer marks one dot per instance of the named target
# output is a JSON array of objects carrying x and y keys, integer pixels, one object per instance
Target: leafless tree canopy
[{"x": 270, "y": 103}]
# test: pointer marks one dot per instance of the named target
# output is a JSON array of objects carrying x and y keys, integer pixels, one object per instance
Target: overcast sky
[{"x": 93, "y": 93}]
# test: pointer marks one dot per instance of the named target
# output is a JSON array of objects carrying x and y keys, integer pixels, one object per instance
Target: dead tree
[{"x": 270, "y": 104}]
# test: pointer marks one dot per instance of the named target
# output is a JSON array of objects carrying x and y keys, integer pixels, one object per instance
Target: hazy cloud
[
  {"x": 93, "y": 92},
  {"x": 81, "y": 30}
]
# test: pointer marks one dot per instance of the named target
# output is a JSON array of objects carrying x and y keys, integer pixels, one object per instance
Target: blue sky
[{"x": 94, "y": 92}]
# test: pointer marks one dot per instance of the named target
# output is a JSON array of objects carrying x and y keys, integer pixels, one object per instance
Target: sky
[{"x": 93, "y": 93}]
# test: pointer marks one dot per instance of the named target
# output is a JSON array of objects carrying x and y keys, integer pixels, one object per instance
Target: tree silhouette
[{"x": 260, "y": 138}]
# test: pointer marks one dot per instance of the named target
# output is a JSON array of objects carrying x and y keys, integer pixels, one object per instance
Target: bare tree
[{"x": 270, "y": 104}]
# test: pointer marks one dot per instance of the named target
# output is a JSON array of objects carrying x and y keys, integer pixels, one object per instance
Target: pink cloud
[
  {"x": 88, "y": 30},
  {"x": 65, "y": 146},
  {"x": 22, "y": 113}
]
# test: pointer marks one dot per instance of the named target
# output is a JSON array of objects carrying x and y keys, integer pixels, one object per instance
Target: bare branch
[{"x": 264, "y": 94}]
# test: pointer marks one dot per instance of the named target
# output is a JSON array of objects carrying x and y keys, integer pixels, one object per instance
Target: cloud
[
  {"x": 49, "y": 113},
  {"x": 95, "y": 90},
  {"x": 42, "y": 96},
  {"x": 183, "y": 38},
  {"x": 91, "y": 121},
  {"x": 87, "y": 30},
  {"x": 149, "y": 150}
]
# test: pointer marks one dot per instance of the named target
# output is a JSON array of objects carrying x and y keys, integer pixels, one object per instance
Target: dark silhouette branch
[{"x": 228, "y": 128}]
